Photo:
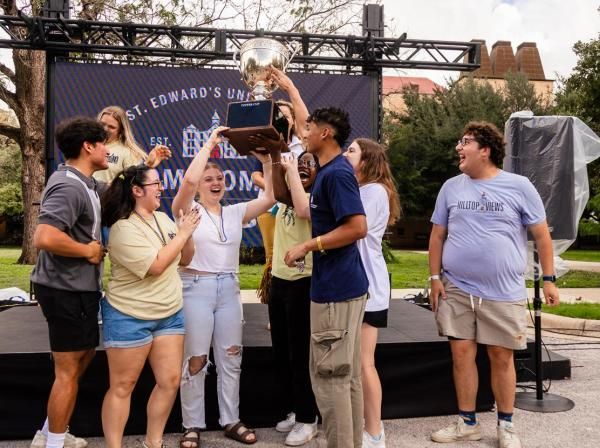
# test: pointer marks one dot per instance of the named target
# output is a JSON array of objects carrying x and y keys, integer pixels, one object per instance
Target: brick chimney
[
  {"x": 485, "y": 70},
  {"x": 529, "y": 61},
  {"x": 502, "y": 59}
]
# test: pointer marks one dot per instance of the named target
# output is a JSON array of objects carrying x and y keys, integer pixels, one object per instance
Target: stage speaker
[
  {"x": 541, "y": 149},
  {"x": 56, "y": 9},
  {"x": 373, "y": 20}
]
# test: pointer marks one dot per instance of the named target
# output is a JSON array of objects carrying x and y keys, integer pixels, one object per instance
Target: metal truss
[{"x": 128, "y": 41}]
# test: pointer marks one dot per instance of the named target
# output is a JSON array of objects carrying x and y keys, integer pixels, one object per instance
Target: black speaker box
[{"x": 541, "y": 149}]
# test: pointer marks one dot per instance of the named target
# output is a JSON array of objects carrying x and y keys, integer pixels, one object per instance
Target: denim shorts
[{"x": 124, "y": 331}]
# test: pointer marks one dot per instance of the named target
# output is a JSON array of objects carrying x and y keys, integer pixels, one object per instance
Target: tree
[
  {"x": 11, "y": 200},
  {"x": 422, "y": 141},
  {"x": 579, "y": 95},
  {"x": 23, "y": 89}
]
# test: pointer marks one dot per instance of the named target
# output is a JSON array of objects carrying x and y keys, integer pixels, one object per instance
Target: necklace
[
  {"x": 220, "y": 230},
  {"x": 158, "y": 233}
]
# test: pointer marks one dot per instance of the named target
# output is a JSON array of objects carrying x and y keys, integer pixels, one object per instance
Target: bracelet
[
  {"x": 275, "y": 163},
  {"x": 434, "y": 277},
  {"x": 320, "y": 245}
]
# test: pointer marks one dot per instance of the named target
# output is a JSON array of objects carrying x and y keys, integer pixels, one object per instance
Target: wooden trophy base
[{"x": 248, "y": 118}]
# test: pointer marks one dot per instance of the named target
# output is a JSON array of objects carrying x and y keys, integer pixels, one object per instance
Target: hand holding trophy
[{"x": 257, "y": 57}]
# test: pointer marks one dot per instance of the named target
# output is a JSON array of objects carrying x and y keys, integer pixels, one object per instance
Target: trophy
[{"x": 261, "y": 115}]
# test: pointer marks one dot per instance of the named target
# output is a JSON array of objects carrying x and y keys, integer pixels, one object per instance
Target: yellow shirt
[
  {"x": 289, "y": 231},
  {"x": 132, "y": 248},
  {"x": 120, "y": 158}
]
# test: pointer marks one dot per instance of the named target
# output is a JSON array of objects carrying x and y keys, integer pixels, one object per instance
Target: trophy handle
[
  {"x": 294, "y": 47},
  {"x": 237, "y": 64}
]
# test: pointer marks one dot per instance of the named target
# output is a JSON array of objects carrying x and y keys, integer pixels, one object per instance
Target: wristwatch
[
  {"x": 549, "y": 278},
  {"x": 434, "y": 277}
]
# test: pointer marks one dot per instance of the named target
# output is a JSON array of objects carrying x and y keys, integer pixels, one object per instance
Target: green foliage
[
  {"x": 588, "y": 227},
  {"x": 422, "y": 142},
  {"x": 576, "y": 310},
  {"x": 579, "y": 95},
  {"x": 581, "y": 255},
  {"x": 11, "y": 201}
]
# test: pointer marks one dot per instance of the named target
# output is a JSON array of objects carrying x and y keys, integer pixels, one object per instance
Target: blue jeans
[
  {"x": 121, "y": 330},
  {"x": 213, "y": 312}
]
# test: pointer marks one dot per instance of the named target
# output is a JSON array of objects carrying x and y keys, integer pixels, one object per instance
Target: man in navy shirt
[{"x": 339, "y": 282}]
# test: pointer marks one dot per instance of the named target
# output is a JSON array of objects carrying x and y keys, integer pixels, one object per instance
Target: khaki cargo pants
[{"x": 335, "y": 369}]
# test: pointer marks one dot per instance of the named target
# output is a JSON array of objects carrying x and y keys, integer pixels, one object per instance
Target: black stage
[{"x": 412, "y": 360}]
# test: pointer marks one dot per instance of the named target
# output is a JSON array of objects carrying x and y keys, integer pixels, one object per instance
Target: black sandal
[
  {"x": 192, "y": 441},
  {"x": 240, "y": 433}
]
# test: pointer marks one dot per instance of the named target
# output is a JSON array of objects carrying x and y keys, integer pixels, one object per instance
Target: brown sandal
[
  {"x": 240, "y": 433},
  {"x": 192, "y": 441}
]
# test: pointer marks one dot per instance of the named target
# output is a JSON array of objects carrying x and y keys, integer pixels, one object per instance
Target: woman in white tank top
[
  {"x": 211, "y": 295},
  {"x": 382, "y": 207}
]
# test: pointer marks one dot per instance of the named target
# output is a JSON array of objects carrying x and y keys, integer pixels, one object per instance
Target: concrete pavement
[{"x": 577, "y": 428}]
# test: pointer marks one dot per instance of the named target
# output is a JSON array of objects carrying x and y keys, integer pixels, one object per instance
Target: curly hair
[
  {"x": 488, "y": 136},
  {"x": 336, "y": 118}
]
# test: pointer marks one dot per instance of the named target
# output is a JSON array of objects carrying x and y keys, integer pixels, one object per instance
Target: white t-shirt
[
  {"x": 217, "y": 241},
  {"x": 377, "y": 208},
  {"x": 295, "y": 146}
]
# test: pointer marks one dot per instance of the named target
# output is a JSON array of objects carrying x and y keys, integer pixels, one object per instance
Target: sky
[{"x": 554, "y": 25}]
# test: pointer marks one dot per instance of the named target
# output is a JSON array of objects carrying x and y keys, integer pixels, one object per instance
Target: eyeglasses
[
  {"x": 158, "y": 182},
  {"x": 465, "y": 141},
  {"x": 307, "y": 163}
]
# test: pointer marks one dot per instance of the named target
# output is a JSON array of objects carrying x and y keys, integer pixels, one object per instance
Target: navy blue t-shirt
[{"x": 338, "y": 274}]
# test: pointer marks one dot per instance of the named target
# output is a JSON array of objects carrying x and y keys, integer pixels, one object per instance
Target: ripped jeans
[{"x": 212, "y": 308}]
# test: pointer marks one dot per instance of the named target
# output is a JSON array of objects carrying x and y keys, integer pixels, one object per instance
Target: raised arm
[
  {"x": 260, "y": 205},
  {"x": 300, "y": 109},
  {"x": 275, "y": 147},
  {"x": 299, "y": 199},
  {"x": 191, "y": 179}
]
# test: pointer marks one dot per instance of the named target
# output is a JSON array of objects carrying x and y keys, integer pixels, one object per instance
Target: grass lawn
[
  {"x": 582, "y": 255},
  {"x": 580, "y": 310},
  {"x": 410, "y": 270}
]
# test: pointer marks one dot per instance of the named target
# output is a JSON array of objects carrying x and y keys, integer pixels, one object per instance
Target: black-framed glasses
[
  {"x": 158, "y": 182},
  {"x": 465, "y": 141}
]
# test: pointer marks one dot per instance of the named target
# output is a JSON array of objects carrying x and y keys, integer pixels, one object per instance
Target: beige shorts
[{"x": 488, "y": 322}]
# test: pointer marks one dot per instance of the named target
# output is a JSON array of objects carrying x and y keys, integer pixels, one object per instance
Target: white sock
[
  {"x": 45, "y": 428},
  {"x": 55, "y": 440}
]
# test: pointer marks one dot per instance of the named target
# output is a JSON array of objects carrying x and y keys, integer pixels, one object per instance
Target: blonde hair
[
  {"x": 375, "y": 168},
  {"x": 125, "y": 136}
]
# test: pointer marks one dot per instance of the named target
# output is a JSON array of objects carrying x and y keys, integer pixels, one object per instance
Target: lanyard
[
  {"x": 159, "y": 234},
  {"x": 221, "y": 230}
]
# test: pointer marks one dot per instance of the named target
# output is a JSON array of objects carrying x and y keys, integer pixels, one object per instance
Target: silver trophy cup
[
  {"x": 256, "y": 56},
  {"x": 261, "y": 115}
]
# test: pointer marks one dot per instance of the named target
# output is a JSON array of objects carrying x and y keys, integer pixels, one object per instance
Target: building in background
[{"x": 502, "y": 60}]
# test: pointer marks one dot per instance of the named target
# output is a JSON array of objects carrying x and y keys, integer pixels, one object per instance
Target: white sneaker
[
  {"x": 301, "y": 434},
  {"x": 457, "y": 431},
  {"x": 369, "y": 442},
  {"x": 507, "y": 437},
  {"x": 286, "y": 425},
  {"x": 39, "y": 441}
]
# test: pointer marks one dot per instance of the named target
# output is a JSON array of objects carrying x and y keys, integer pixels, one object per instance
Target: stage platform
[{"x": 414, "y": 364}]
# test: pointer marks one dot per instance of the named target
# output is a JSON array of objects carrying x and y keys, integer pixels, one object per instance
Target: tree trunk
[{"x": 31, "y": 94}]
